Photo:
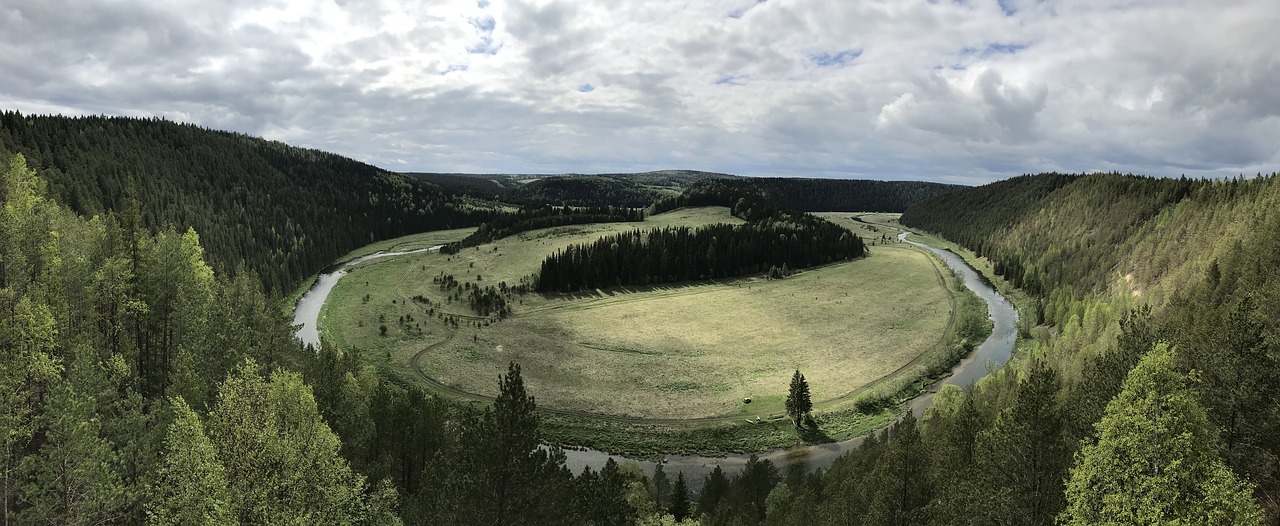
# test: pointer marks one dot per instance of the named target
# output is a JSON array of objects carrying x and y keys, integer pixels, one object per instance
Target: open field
[
  {"x": 399, "y": 244},
  {"x": 698, "y": 351},
  {"x": 664, "y": 353}
]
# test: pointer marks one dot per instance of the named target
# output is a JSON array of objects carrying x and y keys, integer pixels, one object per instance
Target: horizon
[{"x": 959, "y": 92}]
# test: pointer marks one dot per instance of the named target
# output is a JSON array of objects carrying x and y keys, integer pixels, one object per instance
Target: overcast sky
[{"x": 965, "y": 91}]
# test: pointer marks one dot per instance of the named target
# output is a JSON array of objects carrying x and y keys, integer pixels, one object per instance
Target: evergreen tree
[
  {"x": 714, "y": 489},
  {"x": 680, "y": 498},
  {"x": 661, "y": 487},
  {"x": 900, "y": 485},
  {"x": 508, "y": 478},
  {"x": 798, "y": 403},
  {"x": 1154, "y": 462},
  {"x": 1023, "y": 457},
  {"x": 74, "y": 478}
]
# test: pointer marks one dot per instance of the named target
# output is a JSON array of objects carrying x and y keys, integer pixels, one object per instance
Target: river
[{"x": 987, "y": 357}]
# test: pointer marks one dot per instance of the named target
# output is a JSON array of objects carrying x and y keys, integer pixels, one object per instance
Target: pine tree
[
  {"x": 1154, "y": 462},
  {"x": 798, "y": 403},
  {"x": 661, "y": 487},
  {"x": 74, "y": 478},
  {"x": 680, "y": 498},
  {"x": 714, "y": 488}
]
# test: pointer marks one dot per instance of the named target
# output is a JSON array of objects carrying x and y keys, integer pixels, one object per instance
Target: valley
[{"x": 684, "y": 355}]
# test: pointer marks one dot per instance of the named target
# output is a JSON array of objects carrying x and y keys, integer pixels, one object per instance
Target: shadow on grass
[{"x": 810, "y": 433}]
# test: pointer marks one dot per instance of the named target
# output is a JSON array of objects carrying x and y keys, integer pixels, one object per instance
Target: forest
[
  {"x": 633, "y": 190},
  {"x": 282, "y": 211},
  {"x": 143, "y": 386}
]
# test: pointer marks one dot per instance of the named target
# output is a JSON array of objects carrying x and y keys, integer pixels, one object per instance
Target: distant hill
[
  {"x": 645, "y": 188},
  {"x": 613, "y": 189},
  {"x": 819, "y": 195},
  {"x": 286, "y": 212}
]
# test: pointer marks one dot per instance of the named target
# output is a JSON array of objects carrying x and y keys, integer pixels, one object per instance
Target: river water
[{"x": 987, "y": 357}]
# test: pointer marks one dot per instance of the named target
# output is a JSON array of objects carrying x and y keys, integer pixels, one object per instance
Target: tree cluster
[{"x": 680, "y": 254}]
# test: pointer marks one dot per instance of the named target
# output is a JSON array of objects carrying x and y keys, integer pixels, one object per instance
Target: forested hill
[
  {"x": 634, "y": 190},
  {"x": 1143, "y": 387},
  {"x": 821, "y": 195},
  {"x": 286, "y": 212}
]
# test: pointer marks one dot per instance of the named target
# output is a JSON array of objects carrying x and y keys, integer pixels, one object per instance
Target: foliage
[
  {"x": 191, "y": 485},
  {"x": 1154, "y": 462},
  {"x": 798, "y": 403},
  {"x": 533, "y": 218}
]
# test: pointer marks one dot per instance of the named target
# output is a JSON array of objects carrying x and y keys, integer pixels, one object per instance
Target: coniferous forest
[
  {"x": 284, "y": 212},
  {"x": 150, "y": 377}
]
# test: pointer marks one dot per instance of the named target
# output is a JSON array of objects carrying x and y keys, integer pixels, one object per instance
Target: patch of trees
[
  {"x": 486, "y": 301},
  {"x": 680, "y": 254},
  {"x": 281, "y": 211},
  {"x": 1048, "y": 231},
  {"x": 810, "y": 195},
  {"x": 538, "y": 217}
]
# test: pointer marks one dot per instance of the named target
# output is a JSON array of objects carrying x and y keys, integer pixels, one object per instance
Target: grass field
[{"x": 665, "y": 353}]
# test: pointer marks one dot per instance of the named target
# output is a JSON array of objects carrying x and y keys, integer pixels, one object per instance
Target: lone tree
[{"x": 799, "y": 404}]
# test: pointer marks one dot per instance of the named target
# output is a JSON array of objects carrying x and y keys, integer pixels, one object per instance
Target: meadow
[{"x": 654, "y": 356}]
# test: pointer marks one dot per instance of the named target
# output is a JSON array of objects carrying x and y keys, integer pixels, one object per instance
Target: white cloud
[{"x": 958, "y": 91}]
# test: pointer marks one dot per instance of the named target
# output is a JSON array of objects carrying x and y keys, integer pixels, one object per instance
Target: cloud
[{"x": 958, "y": 91}]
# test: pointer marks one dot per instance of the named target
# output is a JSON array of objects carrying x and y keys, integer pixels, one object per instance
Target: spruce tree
[
  {"x": 680, "y": 498},
  {"x": 798, "y": 402}
]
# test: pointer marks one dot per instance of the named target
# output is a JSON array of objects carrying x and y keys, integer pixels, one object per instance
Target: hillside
[
  {"x": 1149, "y": 291},
  {"x": 283, "y": 211}
]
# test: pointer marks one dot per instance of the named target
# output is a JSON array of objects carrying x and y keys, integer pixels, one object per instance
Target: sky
[{"x": 952, "y": 91}]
